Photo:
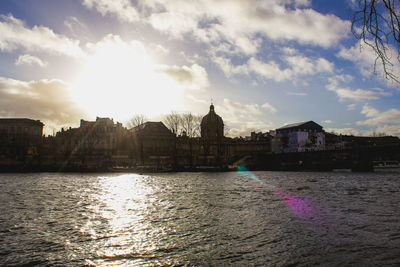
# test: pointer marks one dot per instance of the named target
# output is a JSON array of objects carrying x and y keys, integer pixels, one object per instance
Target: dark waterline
[{"x": 259, "y": 218}]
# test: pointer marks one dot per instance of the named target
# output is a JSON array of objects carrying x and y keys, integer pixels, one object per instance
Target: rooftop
[
  {"x": 299, "y": 124},
  {"x": 21, "y": 120}
]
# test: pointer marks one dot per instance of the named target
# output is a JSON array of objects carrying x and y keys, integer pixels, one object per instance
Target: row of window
[{"x": 20, "y": 130}]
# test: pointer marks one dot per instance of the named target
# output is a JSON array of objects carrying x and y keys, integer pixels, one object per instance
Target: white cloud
[
  {"x": 393, "y": 130},
  {"x": 391, "y": 116},
  {"x": 244, "y": 118},
  {"x": 324, "y": 65},
  {"x": 304, "y": 65},
  {"x": 269, "y": 70},
  {"x": 233, "y": 107},
  {"x": 269, "y": 107},
  {"x": 212, "y": 21},
  {"x": 30, "y": 60},
  {"x": 302, "y": 2},
  {"x": 327, "y": 121},
  {"x": 345, "y": 77},
  {"x": 369, "y": 111},
  {"x": 298, "y": 65},
  {"x": 192, "y": 98},
  {"x": 47, "y": 100},
  {"x": 345, "y": 131},
  {"x": 15, "y": 34},
  {"x": 194, "y": 77},
  {"x": 354, "y": 94},
  {"x": 359, "y": 94},
  {"x": 289, "y": 51},
  {"x": 297, "y": 93},
  {"x": 387, "y": 122},
  {"x": 351, "y": 106},
  {"x": 77, "y": 28},
  {"x": 228, "y": 68},
  {"x": 365, "y": 59},
  {"x": 216, "y": 24},
  {"x": 123, "y": 9}
]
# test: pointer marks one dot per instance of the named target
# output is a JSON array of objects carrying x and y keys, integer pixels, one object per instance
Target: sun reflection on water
[{"x": 118, "y": 224}]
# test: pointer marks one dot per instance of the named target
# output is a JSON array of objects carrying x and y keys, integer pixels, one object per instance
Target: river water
[{"x": 235, "y": 218}]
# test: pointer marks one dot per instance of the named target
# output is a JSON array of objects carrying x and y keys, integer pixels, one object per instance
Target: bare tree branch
[
  {"x": 377, "y": 24},
  {"x": 136, "y": 120},
  {"x": 173, "y": 121},
  {"x": 191, "y": 124}
]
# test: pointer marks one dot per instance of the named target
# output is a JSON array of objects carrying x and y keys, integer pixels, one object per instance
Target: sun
[{"x": 120, "y": 79}]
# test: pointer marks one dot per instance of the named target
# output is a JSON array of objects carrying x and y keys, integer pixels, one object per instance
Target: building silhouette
[
  {"x": 153, "y": 146},
  {"x": 212, "y": 126},
  {"x": 20, "y": 137},
  {"x": 301, "y": 137},
  {"x": 105, "y": 145},
  {"x": 212, "y": 137}
]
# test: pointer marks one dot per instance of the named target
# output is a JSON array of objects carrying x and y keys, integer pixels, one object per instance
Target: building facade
[
  {"x": 300, "y": 137},
  {"x": 20, "y": 136},
  {"x": 94, "y": 143},
  {"x": 17, "y": 127},
  {"x": 212, "y": 139},
  {"x": 153, "y": 146}
]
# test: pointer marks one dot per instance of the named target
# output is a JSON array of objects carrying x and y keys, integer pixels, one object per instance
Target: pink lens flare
[{"x": 300, "y": 206}]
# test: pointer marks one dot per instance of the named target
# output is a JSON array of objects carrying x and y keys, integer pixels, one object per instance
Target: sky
[{"x": 263, "y": 64}]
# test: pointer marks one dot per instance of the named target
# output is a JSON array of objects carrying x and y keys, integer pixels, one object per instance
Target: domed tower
[{"x": 212, "y": 126}]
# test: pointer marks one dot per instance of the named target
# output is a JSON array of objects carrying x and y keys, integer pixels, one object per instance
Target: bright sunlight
[{"x": 120, "y": 79}]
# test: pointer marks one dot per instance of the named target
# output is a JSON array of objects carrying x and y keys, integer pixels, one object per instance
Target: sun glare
[{"x": 119, "y": 80}]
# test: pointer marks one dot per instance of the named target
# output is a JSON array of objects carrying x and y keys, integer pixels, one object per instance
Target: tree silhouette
[
  {"x": 377, "y": 24},
  {"x": 136, "y": 120},
  {"x": 173, "y": 121},
  {"x": 191, "y": 124},
  {"x": 186, "y": 122}
]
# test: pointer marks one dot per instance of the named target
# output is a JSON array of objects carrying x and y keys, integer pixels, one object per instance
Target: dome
[{"x": 212, "y": 125}]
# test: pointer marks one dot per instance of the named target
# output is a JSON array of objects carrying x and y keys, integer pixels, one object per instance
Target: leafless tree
[
  {"x": 378, "y": 134},
  {"x": 377, "y": 24},
  {"x": 173, "y": 121},
  {"x": 227, "y": 129},
  {"x": 197, "y": 121},
  {"x": 191, "y": 124},
  {"x": 136, "y": 120}
]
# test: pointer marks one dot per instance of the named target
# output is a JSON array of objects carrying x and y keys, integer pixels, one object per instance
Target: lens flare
[{"x": 300, "y": 206}]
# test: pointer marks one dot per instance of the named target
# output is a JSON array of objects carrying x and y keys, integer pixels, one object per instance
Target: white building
[{"x": 300, "y": 137}]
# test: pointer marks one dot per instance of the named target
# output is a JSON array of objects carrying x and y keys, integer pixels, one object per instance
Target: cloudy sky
[{"x": 263, "y": 63}]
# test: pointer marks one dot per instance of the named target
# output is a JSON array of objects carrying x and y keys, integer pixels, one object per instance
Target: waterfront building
[
  {"x": 212, "y": 137},
  {"x": 260, "y": 136},
  {"x": 101, "y": 135},
  {"x": 237, "y": 150},
  {"x": 212, "y": 126},
  {"x": 188, "y": 152},
  {"x": 300, "y": 137},
  {"x": 95, "y": 142},
  {"x": 20, "y": 136},
  {"x": 13, "y": 128},
  {"x": 153, "y": 146},
  {"x": 355, "y": 142}
]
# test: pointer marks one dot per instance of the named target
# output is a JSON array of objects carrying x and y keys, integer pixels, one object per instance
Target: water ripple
[{"x": 269, "y": 218}]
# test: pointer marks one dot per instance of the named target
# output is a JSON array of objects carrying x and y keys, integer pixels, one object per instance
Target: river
[{"x": 234, "y": 218}]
